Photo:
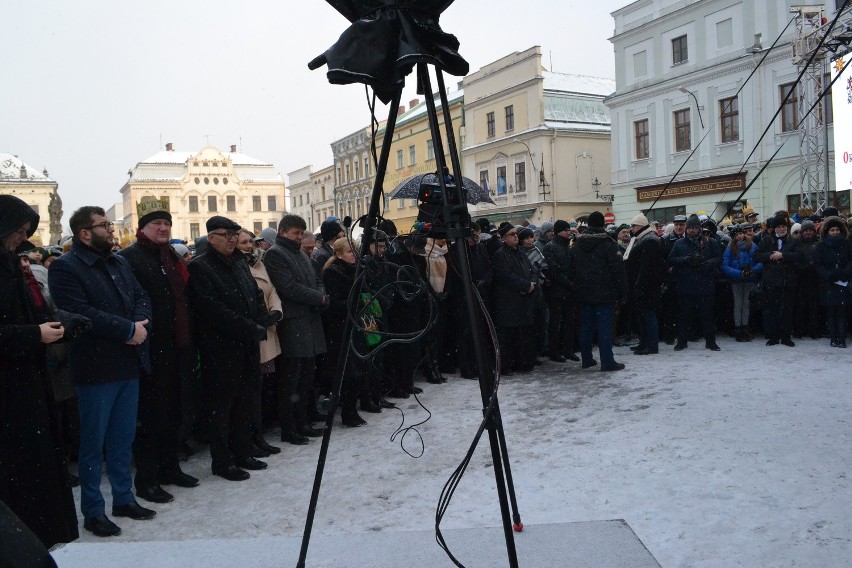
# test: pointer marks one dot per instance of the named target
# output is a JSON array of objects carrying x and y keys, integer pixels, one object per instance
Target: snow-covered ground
[{"x": 735, "y": 458}]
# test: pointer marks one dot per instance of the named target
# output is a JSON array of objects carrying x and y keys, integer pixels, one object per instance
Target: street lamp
[
  {"x": 698, "y": 107},
  {"x": 602, "y": 196}
]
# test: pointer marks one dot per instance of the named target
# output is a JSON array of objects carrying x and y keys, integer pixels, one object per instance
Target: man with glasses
[
  {"x": 230, "y": 322},
  {"x": 105, "y": 364}
]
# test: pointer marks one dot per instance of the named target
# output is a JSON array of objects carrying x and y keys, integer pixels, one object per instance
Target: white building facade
[{"x": 681, "y": 72}]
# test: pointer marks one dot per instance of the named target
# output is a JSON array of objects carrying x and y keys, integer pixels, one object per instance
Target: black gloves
[
  {"x": 273, "y": 317},
  {"x": 694, "y": 260},
  {"x": 260, "y": 333},
  {"x": 75, "y": 324}
]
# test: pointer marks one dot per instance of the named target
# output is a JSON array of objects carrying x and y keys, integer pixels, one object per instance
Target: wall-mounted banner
[
  {"x": 841, "y": 99},
  {"x": 715, "y": 184}
]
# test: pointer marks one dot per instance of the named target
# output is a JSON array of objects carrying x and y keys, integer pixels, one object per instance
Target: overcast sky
[{"x": 91, "y": 88}]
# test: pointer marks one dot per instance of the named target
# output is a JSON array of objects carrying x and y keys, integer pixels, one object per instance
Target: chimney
[
  {"x": 413, "y": 103},
  {"x": 401, "y": 109},
  {"x": 169, "y": 147},
  {"x": 233, "y": 148}
]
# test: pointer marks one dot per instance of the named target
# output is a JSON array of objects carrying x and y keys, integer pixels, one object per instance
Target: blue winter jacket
[{"x": 732, "y": 266}]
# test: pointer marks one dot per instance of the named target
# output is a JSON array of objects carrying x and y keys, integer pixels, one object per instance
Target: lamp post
[
  {"x": 602, "y": 196},
  {"x": 698, "y": 107}
]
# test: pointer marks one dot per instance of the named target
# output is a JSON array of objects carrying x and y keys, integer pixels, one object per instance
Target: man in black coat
[
  {"x": 230, "y": 321},
  {"x": 105, "y": 364},
  {"x": 668, "y": 302},
  {"x": 645, "y": 266},
  {"x": 164, "y": 277},
  {"x": 781, "y": 256},
  {"x": 302, "y": 338},
  {"x": 514, "y": 284},
  {"x": 597, "y": 273},
  {"x": 696, "y": 259},
  {"x": 560, "y": 298}
]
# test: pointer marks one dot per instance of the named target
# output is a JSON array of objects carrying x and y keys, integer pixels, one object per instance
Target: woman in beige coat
[{"x": 269, "y": 349}]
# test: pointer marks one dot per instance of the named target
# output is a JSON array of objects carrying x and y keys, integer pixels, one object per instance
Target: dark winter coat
[
  {"x": 513, "y": 275},
  {"x": 32, "y": 466},
  {"x": 559, "y": 281},
  {"x": 148, "y": 270},
  {"x": 228, "y": 308},
  {"x": 596, "y": 269},
  {"x": 338, "y": 280},
  {"x": 783, "y": 273},
  {"x": 481, "y": 273},
  {"x": 733, "y": 264},
  {"x": 301, "y": 292},
  {"x": 646, "y": 268},
  {"x": 102, "y": 287},
  {"x": 696, "y": 264},
  {"x": 832, "y": 259}
]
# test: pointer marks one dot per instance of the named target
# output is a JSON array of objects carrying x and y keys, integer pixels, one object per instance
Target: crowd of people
[{"x": 132, "y": 358}]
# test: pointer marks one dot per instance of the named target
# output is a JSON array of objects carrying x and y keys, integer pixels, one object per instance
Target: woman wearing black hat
[{"x": 32, "y": 473}]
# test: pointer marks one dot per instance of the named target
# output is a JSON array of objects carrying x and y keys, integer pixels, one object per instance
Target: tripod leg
[{"x": 510, "y": 484}]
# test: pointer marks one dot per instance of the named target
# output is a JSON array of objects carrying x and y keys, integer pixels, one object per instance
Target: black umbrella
[
  {"x": 385, "y": 40},
  {"x": 410, "y": 189}
]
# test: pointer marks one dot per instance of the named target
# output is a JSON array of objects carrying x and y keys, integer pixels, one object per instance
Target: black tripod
[{"x": 454, "y": 216}]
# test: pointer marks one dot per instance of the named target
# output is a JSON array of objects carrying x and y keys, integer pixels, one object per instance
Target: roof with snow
[
  {"x": 170, "y": 165},
  {"x": 581, "y": 84},
  {"x": 10, "y": 170}
]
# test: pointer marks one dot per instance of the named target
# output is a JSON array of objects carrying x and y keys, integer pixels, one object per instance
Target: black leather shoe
[
  {"x": 266, "y": 446},
  {"x": 231, "y": 473},
  {"x": 133, "y": 511},
  {"x": 788, "y": 342},
  {"x": 251, "y": 463},
  {"x": 396, "y": 393},
  {"x": 258, "y": 452},
  {"x": 312, "y": 432},
  {"x": 558, "y": 358},
  {"x": 680, "y": 346},
  {"x": 101, "y": 526},
  {"x": 386, "y": 403},
  {"x": 367, "y": 405},
  {"x": 352, "y": 420},
  {"x": 772, "y": 342},
  {"x": 293, "y": 438},
  {"x": 416, "y": 390},
  {"x": 572, "y": 357},
  {"x": 712, "y": 346},
  {"x": 588, "y": 364},
  {"x": 612, "y": 367},
  {"x": 154, "y": 494},
  {"x": 644, "y": 351},
  {"x": 180, "y": 479}
]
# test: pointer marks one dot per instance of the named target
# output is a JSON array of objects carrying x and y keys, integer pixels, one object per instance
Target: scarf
[
  {"x": 436, "y": 265},
  {"x": 177, "y": 275},
  {"x": 35, "y": 290},
  {"x": 633, "y": 240}
]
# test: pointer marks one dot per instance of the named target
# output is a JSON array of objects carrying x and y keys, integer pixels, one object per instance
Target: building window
[
  {"x": 258, "y": 227},
  {"x": 790, "y": 110},
  {"x": 724, "y": 33},
  {"x": 348, "y": 173},
  {"x": 510, "y": 117},
  {"x": 520, "y": 177},
  {"x": 640, "y": 64},
  {"x": 412, "y": 155},
  {"x": 430, "y": 150},
  {"x": 729, "y": 112},
  {"x": 501, "y": 180},
  {"x": 489, "y": 118},
  {"x": 34, "y": 208},
  {"x": 682, "y": 130},
  {"x": 483, "y": 181},
  {"x": 679, "y": 51},
  {"x": 367, "y": 168},
  {"x": 642, "y": 139},
  {"x": 193, "y": 204},
  {"x": 399, "y": 162},
  {"x": 271, "y": 203},
  {"x": 272, "y": 225},
  {"x": 665, "y": 214},
  {"x": 231, "y": 202},
  {"x": 255, "y": 203},
  {"x": 357, "y": 169},
  {"x": 211, "y": 203},
  {"x": 194, "y": 232}
]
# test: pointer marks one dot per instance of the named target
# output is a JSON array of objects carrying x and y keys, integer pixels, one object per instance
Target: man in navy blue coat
[{"x": 105, "y": 364}]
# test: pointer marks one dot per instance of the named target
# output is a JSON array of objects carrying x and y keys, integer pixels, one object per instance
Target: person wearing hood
[
  {"x": 163, "y": 275},
  {"x": 645, "y": 267},
  {"x": 833, "y": 262},
  {"x": 32, "y": 469},
  {"x": 303, "y": 297},
  {"x": 545, "y": 233},
  {"x": 230, "y": 322},
  {"x": 696, "y": 260},
  {"x": 781, "y": 257},
  {"x": 515, "y": 283},
  {"x": 106, "y": 364},
  {"x": 270, "y": 348},
  {"x": 597, "y": 275},
  {"x": 740, "y": 267}
]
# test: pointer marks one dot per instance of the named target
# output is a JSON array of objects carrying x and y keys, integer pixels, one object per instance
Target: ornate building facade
[
  {"x": 39, "y": 191},
  {"x": 202, "y": 184},
  {"x": 353, "y": 174},
  {"x": 312, "y": 195}
]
